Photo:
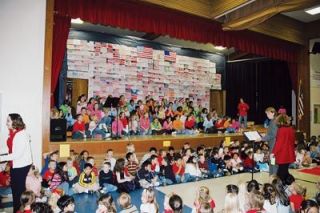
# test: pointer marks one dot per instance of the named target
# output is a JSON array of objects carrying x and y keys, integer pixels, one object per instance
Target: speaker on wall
[
  {"x": 316, "y": 48},
  {"x": 58, "y": 130}
]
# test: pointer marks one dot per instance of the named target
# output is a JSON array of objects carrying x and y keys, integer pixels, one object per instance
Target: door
[
  {"x": 79, "y": 87},
  {"x": 218, "y": 101}
]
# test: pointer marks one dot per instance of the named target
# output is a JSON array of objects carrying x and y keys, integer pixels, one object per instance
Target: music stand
[
  {"x": 252, "y": 136},
  {"x": 113, "y": 102}
]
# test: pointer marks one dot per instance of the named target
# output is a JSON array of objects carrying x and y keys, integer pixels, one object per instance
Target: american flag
[
  {"x": 170, "y": 56},
  {"x": 145, "y": 52},
  {"x": 300, "y": 102}
]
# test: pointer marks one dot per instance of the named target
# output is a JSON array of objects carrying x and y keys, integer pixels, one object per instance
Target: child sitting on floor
[
  {"x": 178, "y": 169},
  {"x": 48, "y": 174},
  {"x": 106, "y": 179},
  {"x": 149, "y": 203},
  {"x": 132, "y": 166},
  {"x": 87, "y": 181},
  {"x": 146, "y": 177},
  {"x": 124, "y": 202},
  {"x": 72, "y": 171},
  {"x": 203, "y": 196},
  {"x": 26, "y": 199},
  {"x": 47, "y": 157},
  {"x": 106, "y": 204},
  {"x": 33, "y": 181},
  {"x": 296, "y": 196},
  {"x": 66, "y": 204}
]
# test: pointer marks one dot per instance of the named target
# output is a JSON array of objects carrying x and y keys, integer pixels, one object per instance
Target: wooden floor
[{"x": 143, "y": 143}]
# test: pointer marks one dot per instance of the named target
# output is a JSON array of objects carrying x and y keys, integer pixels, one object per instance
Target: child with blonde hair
[
  {"x": 72, "y": 171},
  {"x": 296, "y": 197},
  {"x": 106, "y": 204},
  {"x": 149, "y": 202},
  {"x": 124, "y": 202},
  {"x": 203, "y": 197},
  {"x": 256, "y": 201}
]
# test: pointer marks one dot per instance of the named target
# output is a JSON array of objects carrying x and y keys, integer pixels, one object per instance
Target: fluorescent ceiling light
[
  {"x": 76, "y": 21},
  {"x": 235, "y": 8},
  {"x": 313, "y": 11},
  {"x": 219, "y": 48}
]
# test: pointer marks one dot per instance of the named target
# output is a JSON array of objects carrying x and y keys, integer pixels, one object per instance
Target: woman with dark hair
[
  {"x": 283, "y": 149},
  {"x": 19, "y": 156}
]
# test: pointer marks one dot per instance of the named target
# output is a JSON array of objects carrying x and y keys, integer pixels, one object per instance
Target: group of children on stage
[{"x": 96, "y": 119}]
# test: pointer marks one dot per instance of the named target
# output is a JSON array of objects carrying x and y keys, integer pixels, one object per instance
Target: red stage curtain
[
  {"x": 147, "y": 18},
  {"x": 60, "y": 35}
]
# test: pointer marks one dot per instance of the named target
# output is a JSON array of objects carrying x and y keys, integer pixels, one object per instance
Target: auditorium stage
[{"x": 143, "y": 143}]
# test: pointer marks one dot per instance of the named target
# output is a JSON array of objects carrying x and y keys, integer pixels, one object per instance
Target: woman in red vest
[
  {"x": 19, "y": 156},
  {"x": 283, "y": 149}
]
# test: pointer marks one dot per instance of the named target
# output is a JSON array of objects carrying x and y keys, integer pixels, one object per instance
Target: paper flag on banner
[{"x": 64, "y": 150}]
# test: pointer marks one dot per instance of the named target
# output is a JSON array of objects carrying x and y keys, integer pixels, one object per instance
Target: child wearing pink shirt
[
  {"x": 145, "y": 125},
  {"x": 117, "y": 127},
  {"x": 33, "y": 181}
]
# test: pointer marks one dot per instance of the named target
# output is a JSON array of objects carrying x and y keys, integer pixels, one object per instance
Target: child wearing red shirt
[
  {"x": 178, "y": 169},
  {"x": 48, "y": 174},
  {"x": 79, "y": 128},
  {"x": 296, "y": 197}
]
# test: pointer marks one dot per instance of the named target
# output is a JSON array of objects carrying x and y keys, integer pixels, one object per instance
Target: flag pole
[{"x": 300, "y": 112}]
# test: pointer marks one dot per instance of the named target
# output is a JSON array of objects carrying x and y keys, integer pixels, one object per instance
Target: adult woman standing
[
  {"x": 270, "y": 137},
  {"x": 283, "y": 149},
  {"x": 19, "y": 156},
  {"x": 243, "y": 108}
]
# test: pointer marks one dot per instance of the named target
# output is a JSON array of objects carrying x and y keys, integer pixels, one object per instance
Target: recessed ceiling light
[
  {"x": 219, "y": 48},
  {"x": 313, "y": 11},
  {"x": 76, "y": 21}
]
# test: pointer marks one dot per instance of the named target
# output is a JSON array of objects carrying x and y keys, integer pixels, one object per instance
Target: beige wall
[{"x": 314, "y": 87}]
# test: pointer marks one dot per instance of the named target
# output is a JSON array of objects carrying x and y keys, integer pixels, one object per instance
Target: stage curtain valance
[{"x": 138, "y": 16}]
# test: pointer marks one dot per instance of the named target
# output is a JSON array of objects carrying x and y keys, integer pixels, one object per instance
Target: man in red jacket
[{"x": 243, "y": 112}]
